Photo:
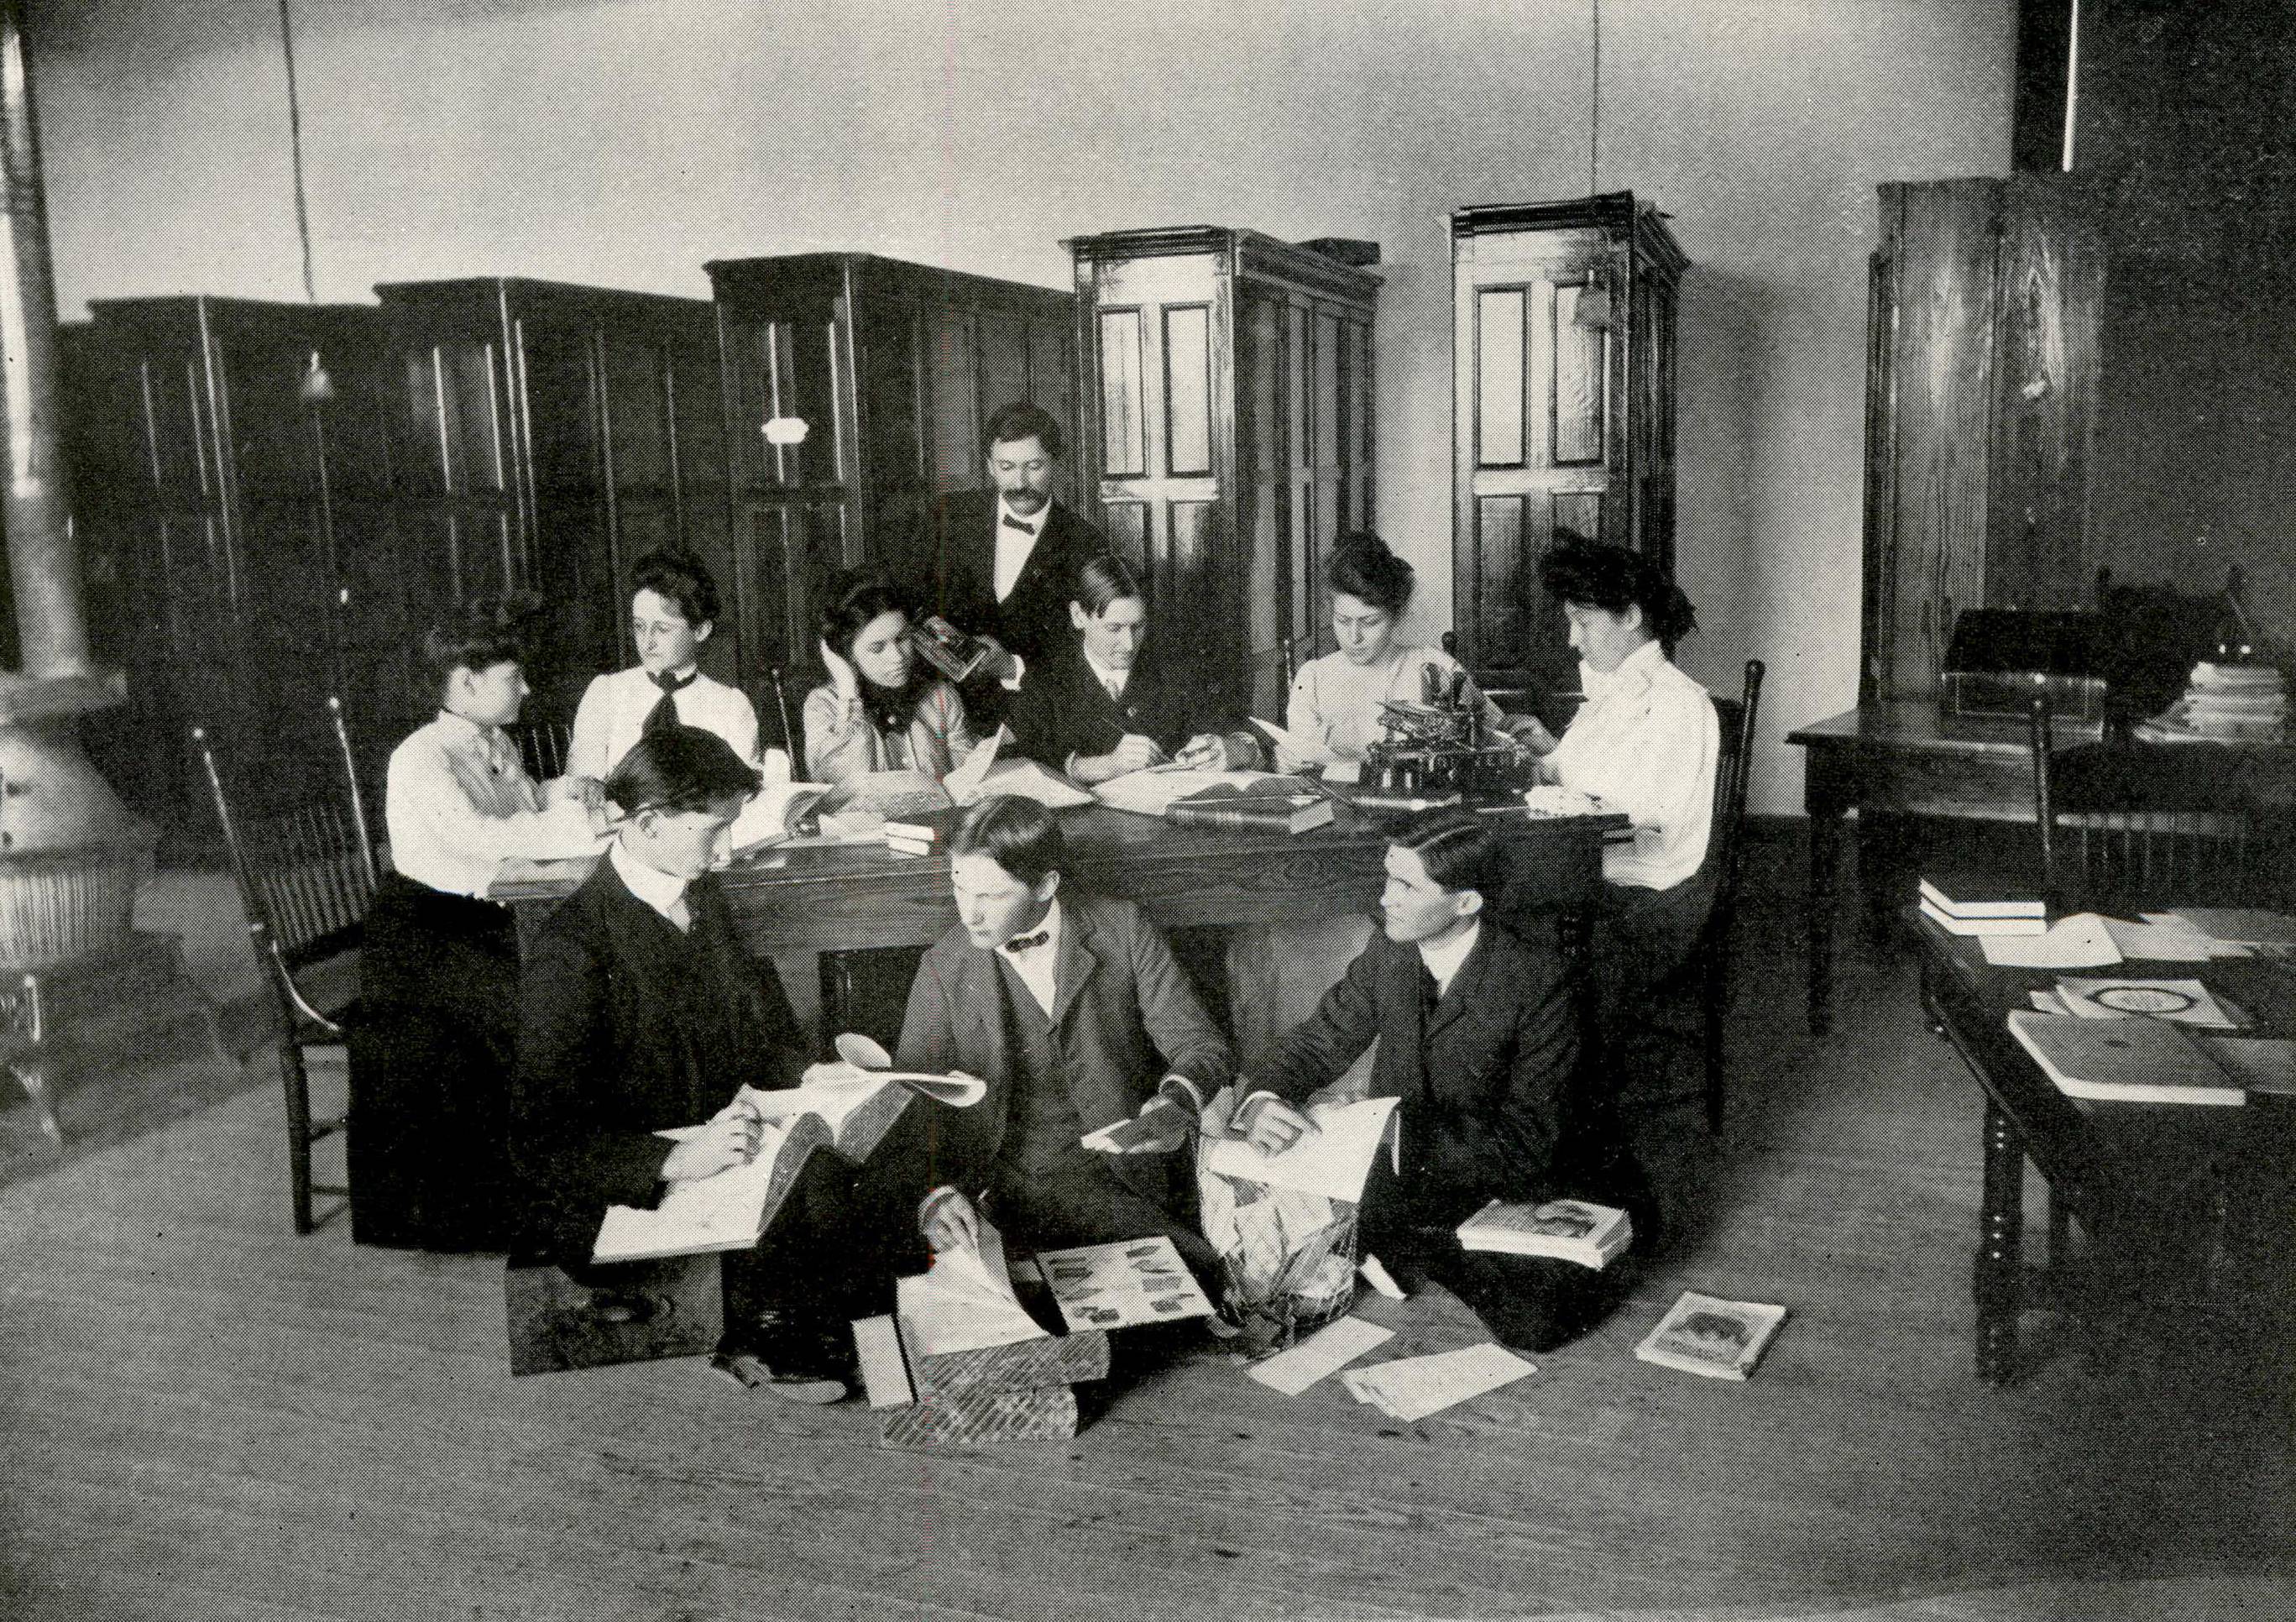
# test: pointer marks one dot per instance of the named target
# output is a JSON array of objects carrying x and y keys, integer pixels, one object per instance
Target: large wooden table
[
  {"x": 1903, "y": 760},
  {"x": 836, "y": 897},
  {"x": 2157, "y": 1188}
]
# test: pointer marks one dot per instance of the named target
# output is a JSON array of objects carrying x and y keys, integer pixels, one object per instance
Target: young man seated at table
[
  {"x": 641, "y": 1010},
  {"x": 1099, "y": 704},
  {"x": 1070, "y": 1007},
  {"x": 1478, "y": 1038}
]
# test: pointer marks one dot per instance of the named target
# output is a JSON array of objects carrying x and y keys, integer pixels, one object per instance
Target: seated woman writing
[
  {"x": 1105, "y": 704},
  {"x": 1646, "y": 743},
  {"x": 439, "y": 968},
  {"x": 883, "y": 708},
  {"x": 1477, "y": 1038},
  {"x": 1335, "y": 699}
]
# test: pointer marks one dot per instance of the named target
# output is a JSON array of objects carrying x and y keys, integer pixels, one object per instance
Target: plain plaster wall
[{"x": 623, "y": 142}]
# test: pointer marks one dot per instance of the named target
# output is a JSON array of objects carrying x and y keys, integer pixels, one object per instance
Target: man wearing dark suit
[
  {"x": 1070, "y": 1008},
  {"x": 1478, "y": 1039},
  {"x": 998, "y": 562},
  {"x": 1101, "y": 703},
  {"x": 640, "y": 1010}
]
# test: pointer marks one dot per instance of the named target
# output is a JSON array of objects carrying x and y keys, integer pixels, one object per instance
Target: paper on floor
[{"x": 1324, "y": 1352}]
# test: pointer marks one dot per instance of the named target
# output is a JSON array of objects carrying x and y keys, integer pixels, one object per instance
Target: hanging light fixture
[
  {"x": 1593, "y": 309},
  {"x": 315, "y": 388}
]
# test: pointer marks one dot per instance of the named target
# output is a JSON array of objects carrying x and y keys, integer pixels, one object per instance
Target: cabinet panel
[{"x": 1563, "y": 402}]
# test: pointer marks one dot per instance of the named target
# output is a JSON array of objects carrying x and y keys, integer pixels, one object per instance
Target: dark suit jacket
[
  {"x": 1124, "y": 1017},
  {"x": 1488, "y": 1080},
  {"x": 627, "y": 1027},
  {"x": 956, "y": 562},
  {"x": 1061, "y": 709}
]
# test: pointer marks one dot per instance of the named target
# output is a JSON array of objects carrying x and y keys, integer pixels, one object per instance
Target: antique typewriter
[{"x": 1439, "y": 746}]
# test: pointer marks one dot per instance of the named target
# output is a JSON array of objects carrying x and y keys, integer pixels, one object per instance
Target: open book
[
  {"x": 1151, "y": 791},
  {"x": 776, "y": 812},
  {"x": 725, "y": 1212},
  {"x": 966, "y": 1302},
  {"x": 859, "y": 1098},
  {"x": 989, "y": 770}
]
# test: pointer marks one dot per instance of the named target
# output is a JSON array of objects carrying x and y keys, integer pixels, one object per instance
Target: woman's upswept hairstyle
[
  {"x": 1362, "y": 568},
  {"x": 854, "y": 599},
  {"x": 1595, "y": 574},
  {"x": 478, "y": 635}
]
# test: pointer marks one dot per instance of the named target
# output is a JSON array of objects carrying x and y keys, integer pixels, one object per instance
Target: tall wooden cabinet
[
  {"x": 553, "y": 435},
  {"x": 1563, "y": 413},
  {"x": 1982, "y": 367},
  {"x": 1228, "y": 384},
  {"x": 854, "y": 389},
  {"x": 253, "y": 551},
  {"x": 218, "y": 510}
]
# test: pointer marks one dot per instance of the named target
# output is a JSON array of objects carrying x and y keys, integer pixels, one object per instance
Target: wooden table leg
[
  {"x": 1998, "y": 1283},
  {"x": 1825, "y": 872}
]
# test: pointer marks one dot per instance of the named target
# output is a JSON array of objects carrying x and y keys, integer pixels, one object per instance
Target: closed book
[
  {"x": 1977, "y": 896},
  {"x": 1704, "y": 1334},
  {"x": 908, "y": 847},
  {"x": 2034, "y": 924},
  {"x": 2133, "y": 1061},
  {"x": 1273, "y": 816},
  {"x": 1568, "y": 1230}
]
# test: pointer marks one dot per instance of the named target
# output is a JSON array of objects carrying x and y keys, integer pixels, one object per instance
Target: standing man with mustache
[{"x": 1001, "y": 562}]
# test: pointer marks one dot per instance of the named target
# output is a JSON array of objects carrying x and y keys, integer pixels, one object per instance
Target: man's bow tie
[
  {"x": 1013, "y": 523},
  {"x": 1028, "y": 943}
]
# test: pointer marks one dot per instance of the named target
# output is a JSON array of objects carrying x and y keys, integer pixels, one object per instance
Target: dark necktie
[
  {"x": 1026, "y": 943},
  {"x": 664, "y": 712},
  {"x": 1429, "y": 993},
  {"x": 1013, "y": 523}
]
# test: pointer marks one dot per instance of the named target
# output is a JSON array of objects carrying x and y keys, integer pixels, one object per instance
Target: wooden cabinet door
[
  {"x": 1539, "y": 436},
  {"x": 791, "y": 505}
]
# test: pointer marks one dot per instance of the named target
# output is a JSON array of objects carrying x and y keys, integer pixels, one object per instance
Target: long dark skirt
[{"x": 430, "y": 1058}]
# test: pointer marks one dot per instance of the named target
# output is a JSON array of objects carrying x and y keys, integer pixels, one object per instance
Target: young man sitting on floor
[
  {"x": 1070, "y": 1007},
  {"x": 641, "y": 1010},
  {"x": 1479, "y": 1040}
]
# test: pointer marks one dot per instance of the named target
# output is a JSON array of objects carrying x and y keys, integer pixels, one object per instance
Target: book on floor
[
  {"x": 725, "y": 1212},
  {"x": 1704, "y": 1334},
  {"x": 1111, "y": 1286},
  {"x": 1969, "y": 895},
  {"x": 2123, "y": 1061},
  {"x": 1568, "y": 1230}
]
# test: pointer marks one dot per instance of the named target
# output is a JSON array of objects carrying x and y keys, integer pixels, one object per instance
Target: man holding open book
[
  {"x": 1478, "y": 1037},
  {"x": 1070, "y": 1007},
  {"x": 641, "y": 1015}
]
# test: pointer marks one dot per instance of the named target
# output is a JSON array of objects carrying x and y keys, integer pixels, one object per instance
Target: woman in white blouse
[
  {"x": 673, "y": 610},
  {"x": 1646, "y": 742},
  {"x": 883, "y": 708},
  {"x": 432, "y": 1041},
  {"x": 1335, "y": 699}
]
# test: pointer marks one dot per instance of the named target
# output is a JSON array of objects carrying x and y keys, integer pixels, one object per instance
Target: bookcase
[
  {"x": 854, "y": 389},
  {"x": 1229, "y": 395},
  {"x": 1563, "y": 411}
]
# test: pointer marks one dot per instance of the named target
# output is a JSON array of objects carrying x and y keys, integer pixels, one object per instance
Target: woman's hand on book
[{"x": 730, "y": 1140}]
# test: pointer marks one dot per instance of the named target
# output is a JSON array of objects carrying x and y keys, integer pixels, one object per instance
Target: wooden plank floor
[{"x": 206, "y": 1417}]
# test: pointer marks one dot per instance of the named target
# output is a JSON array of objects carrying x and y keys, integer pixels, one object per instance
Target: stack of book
[
  {"x": 1568, "y": 1230},
  {"x": 2226, "y": 704},
  {"x": 1967, "y": 906}
]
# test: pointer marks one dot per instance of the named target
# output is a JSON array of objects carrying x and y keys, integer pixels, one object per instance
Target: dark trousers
[
  {"x": 430, "y": 1056},
  {"x": 1534, "y": 1303}
]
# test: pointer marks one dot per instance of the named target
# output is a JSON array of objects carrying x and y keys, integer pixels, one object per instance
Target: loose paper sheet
[
  {"x": 1324, "y": 1352},
  {"x": 1412, "y": 1387},
  {"x": 2080, "y": 941}
]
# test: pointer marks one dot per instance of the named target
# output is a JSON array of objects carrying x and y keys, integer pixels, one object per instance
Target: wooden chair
[
  {"x": 541, "y": 748},
  {"x": 1732, "y": 766},
  {"x": 2124, "y": 827},
  {"x": 307, "y": 874}
]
